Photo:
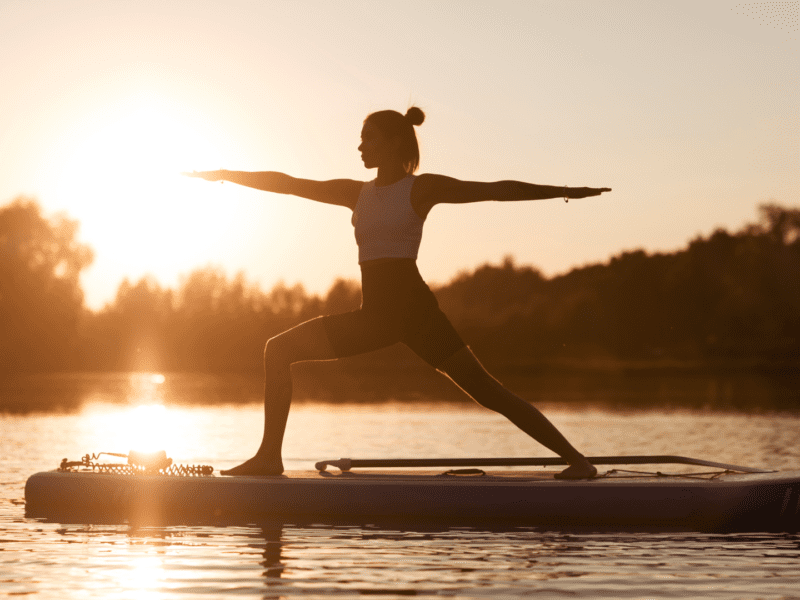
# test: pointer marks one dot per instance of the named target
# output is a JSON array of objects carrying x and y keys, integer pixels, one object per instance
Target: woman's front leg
[{"x": 307, "y": 341}]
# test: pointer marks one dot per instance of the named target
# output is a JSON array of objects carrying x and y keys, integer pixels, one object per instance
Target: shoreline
[{"x": 628, "y": 385}]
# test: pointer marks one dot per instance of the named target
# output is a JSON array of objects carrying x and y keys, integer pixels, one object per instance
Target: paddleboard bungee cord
[{"x": 138, "y": 463}]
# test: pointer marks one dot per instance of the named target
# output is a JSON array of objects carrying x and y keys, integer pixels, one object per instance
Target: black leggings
[{"x": 396, "y": 306}]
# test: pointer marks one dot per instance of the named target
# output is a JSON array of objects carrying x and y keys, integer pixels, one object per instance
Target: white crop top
[{"x": 386, "y": 225}]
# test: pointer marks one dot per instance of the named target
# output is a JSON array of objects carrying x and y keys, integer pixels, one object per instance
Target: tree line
[{"x": 727, "y": 296}]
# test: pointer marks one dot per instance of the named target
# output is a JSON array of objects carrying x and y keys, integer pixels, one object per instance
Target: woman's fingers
[
  {"x": 207, "y": 175},
  {"x": 594, "y": 191},
  {"x": 585, "y": 192}
]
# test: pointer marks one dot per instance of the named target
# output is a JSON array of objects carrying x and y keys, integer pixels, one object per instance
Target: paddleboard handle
[{"x": 343, "y": 464}]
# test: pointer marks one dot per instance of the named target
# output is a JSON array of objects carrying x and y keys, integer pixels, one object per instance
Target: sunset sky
[{"x": 688, "y": 110}]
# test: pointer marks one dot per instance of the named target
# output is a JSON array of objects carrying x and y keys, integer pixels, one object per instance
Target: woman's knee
[
  {"x": 275, "y": 353},
  {"x": 307, "y": 341},
  {"x": 470, "y": 375}
]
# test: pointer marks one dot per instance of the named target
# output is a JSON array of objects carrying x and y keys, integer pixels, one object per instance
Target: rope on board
[
  {"x": 138, "y": 463},
  {"x": 627, "y": 474}
]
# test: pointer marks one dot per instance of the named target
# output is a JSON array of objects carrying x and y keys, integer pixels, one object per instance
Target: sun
[
  {"x": 133, "y": 148},
  {"x": 119, "y": 174},
  {"x": 118, "y": 171}
]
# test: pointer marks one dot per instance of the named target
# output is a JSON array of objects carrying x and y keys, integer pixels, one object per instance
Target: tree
[
  {"x": 41, "y": 300},
  {"x": 132, "y": 333}
]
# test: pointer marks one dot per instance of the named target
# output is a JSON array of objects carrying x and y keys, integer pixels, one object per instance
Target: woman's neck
[{"x": 387, "y": 175}]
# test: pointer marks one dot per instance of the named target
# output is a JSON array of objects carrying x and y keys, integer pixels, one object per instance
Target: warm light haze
[{"x": 688, "y": 110}]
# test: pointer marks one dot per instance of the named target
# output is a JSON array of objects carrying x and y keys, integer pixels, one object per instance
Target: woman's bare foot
[
  {"x": 256, "y": 466},
  {"x": 582, "y": 470}
]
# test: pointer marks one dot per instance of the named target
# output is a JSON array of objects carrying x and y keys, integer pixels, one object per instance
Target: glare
[
  {"x": 145, "y": 388},
  {"x": 136, "y": 148},
  {"x": 143, "y": 428},
  {"x": 145, "y": 425},
  {"x": 118, "y": 169},
  {"x": 119, "y": 172},
  {"x": 147, "y": 428}
]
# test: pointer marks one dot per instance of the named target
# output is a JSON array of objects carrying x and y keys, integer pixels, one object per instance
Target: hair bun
[{"x": 415, "y": 116}]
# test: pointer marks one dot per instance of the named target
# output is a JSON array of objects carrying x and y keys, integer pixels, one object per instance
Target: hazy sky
[{"x": 688, "y": 110}]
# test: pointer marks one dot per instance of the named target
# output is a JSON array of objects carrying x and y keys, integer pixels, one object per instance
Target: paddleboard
[{"x": 699, "y": 501}]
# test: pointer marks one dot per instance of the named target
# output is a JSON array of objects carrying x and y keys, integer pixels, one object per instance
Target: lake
[{"x": 187, "y": 416}]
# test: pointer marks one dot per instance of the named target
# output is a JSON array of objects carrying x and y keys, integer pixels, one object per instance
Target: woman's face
[{"x": 375, "y": 149}]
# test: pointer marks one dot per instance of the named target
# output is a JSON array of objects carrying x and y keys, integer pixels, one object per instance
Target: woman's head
[{"x": 398, "y": 131}]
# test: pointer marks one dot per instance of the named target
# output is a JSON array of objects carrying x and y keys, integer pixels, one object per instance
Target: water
[{"x": 284, "y": 560}]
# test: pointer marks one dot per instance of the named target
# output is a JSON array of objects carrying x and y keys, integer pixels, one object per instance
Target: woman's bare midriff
[{"x": 380, "y": 261}]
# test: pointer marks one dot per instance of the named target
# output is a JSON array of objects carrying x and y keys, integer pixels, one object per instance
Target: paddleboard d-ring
[{"x": 343, "y": 464}]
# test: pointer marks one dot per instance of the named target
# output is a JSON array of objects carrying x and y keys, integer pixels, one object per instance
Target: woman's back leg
[{"x": 469, "y": 374}]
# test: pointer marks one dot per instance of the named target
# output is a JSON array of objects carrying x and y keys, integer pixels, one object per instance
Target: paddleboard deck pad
[{"x": 716, "y": 500}]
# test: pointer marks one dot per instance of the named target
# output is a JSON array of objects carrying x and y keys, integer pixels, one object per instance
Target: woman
[{"x": 397, "y": 305}]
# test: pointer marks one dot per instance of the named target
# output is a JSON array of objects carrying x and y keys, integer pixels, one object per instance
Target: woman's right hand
[{"x": 218, "y": 175}]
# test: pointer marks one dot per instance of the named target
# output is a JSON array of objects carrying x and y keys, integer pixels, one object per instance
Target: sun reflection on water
[
  {"x": 144, "y": 578},
  {"x": 145, "y": 425},
  {"x": 149, "y": 427}
]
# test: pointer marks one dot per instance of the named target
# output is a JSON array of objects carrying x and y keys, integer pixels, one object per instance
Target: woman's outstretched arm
[
  {"x": 437, "y": 189},
  {"x": 343, "y": 192}
]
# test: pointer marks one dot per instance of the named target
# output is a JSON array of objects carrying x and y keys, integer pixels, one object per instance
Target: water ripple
[{"x": 280, "y": 560}]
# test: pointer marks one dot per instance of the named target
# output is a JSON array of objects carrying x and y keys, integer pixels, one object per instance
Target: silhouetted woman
[{"x": 397, "y": 305}]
